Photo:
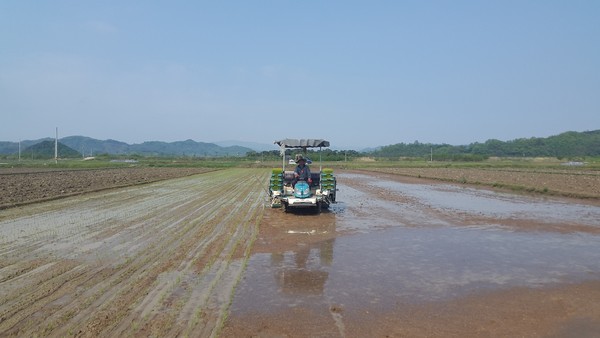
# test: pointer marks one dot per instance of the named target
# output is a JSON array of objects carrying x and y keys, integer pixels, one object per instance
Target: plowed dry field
[
  {"x": 22, "y": 186},
  {"x": 203, "y": 255}
]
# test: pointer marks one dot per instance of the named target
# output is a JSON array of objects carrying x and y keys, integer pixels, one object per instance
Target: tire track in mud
[{"x": 161, "y": 259}]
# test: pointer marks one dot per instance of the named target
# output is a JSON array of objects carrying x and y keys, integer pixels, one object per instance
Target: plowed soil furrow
[
  {"x": 174, "y": 287},
  {"x": 227, "y": 274},
  {"x": 148, "y": 260}
]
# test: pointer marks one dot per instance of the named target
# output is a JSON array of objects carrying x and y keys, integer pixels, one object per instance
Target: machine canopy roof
[{"x": 302, "y": 143}]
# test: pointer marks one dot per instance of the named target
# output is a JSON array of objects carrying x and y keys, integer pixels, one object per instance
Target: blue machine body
[{"x": 302, "y": 190}]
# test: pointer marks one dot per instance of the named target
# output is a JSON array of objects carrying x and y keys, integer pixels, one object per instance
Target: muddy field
[
  {"x": 573, "y": 183},
  {"x": 22, "y": 186},
  {"x": 397, "y": 256},
  {"x": 413, "y": 258}
]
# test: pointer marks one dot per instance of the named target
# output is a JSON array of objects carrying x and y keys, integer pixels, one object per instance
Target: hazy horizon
[{"x": 261, "y": 146}]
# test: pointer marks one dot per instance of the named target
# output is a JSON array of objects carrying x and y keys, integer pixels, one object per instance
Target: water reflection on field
[{"x": 395, "y": 246}]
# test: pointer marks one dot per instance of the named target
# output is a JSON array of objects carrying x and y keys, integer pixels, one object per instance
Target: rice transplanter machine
[{"x": 317, "y": 193}]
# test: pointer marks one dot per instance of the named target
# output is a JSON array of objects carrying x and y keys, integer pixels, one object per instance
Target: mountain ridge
[
  {"x": 566, "y": 144},
  {"x": 87, "y": 146}
]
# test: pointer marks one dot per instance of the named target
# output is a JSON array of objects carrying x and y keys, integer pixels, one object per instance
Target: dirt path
[{"x": 155, "y": 260}]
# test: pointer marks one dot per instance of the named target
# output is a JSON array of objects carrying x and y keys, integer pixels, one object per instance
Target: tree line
[
  {"x": 325, "y": 155},
  {"x": 566, "y": 145}
]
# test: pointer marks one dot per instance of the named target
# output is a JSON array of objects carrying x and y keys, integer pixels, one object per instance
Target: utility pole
[
  {"x": 56, "y": 147},
  {"x": 19, "y": 150},
  {"x": 431, "y": 154}
]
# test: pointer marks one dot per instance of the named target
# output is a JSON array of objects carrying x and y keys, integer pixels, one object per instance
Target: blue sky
[{"x": 358, "y": 73}]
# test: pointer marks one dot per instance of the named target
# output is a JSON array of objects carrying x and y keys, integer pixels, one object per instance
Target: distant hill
[
  {"x": 186, "y": 148},
  {"x": 89, "y": 146},
  {"x": 9, "y": 148},
  {"x": 45, "y": 150},
  {"x": 252, "y": 145},
  {"x": 565, "y": 145}
]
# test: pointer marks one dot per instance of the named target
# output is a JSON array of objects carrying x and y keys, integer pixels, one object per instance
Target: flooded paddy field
[
  {"x": 398, "y": 257},
  {"x": 204, "y": 256}
]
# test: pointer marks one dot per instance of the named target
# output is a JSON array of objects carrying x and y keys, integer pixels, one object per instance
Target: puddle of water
[{"x": 406, "y": 265}]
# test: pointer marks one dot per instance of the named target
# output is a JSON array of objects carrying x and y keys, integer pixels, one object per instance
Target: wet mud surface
[
  {"x": 408, "y": 257},
  {"x": 580, "y": 183}
]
